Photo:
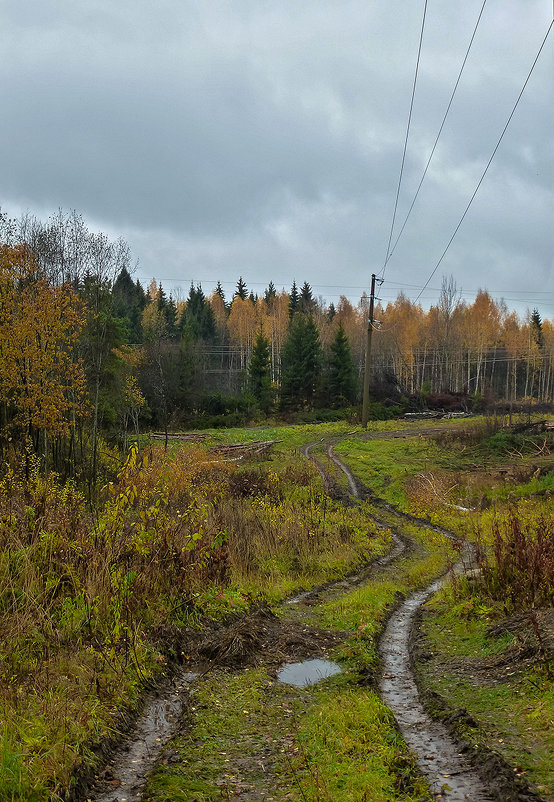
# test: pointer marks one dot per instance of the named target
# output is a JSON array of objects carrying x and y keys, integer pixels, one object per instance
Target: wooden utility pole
[{"x": 365, "y": 404}]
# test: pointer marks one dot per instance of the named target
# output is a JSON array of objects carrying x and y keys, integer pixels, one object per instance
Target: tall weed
[{"x": 519, "y": 568}]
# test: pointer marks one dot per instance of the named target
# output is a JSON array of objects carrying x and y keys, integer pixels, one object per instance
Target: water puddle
[
  {"x": 308, "y": 672},
  {"x": 132, "y": 764}
]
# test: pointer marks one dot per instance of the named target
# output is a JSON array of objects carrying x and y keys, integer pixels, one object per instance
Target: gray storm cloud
[{"x": 265, "y": 139}]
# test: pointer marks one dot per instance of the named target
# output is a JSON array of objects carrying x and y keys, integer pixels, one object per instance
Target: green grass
[
  {"x": 516, "y": 711},
  {"x": 364, "y": 610},
  {"x": 334, "y": 742},
  {"x": 16, "y": 781},
  {"x": 385, "y": 465},
  {"x": 223, "y": 711},
  {"x": 536, "y": 485},
  {"x": 349, "y": 749},
  {"x": 517, "y": 720},
  {"x": 461, "y": 627}
]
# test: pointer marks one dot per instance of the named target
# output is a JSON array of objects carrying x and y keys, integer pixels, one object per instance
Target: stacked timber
[
  {"x": 185, "y": 437},
  {"x": 233, "y": 452}
]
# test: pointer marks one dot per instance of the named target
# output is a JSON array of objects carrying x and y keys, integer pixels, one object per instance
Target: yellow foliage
[{"x": 41, "y": 380}]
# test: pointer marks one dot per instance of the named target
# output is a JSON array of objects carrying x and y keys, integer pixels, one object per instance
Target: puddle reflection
[{"x": 308, "y": 672}]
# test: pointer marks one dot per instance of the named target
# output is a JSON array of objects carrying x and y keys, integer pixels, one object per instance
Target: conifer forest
[{"x": 85, "y": 348}]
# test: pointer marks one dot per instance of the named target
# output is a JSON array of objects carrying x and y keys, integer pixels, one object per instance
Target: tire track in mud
[
  {"x": 125, "y": 777},
  {"x": 400, "y": 543},
  {"x": 436, "y": 753},
  {"x": 450, "y": 775}
]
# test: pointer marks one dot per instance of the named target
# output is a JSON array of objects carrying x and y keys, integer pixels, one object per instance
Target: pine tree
[
  {"x": 241, "y": 291},
  {"x": 331, "y": 312},
  {"x": 219, "y": 291},
  {"x": 301, "y": 362},
  {"x": 342, "y": 380},
  {"x": 259, "y": 372}
]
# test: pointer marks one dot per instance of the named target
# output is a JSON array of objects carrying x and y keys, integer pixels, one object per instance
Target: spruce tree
[
  {"x": 241, "y": 291},
  {"x": 307, "y": 302},
  {"x": 161, "y": 299},
  {"x": 171, "y": 317},
  {"x": 129, "y": 300},
  {"x": 270, "y": 293},
  {"x": 293, "y": 300},
  {"x": 259, "y": 372},
  {"x": 342, "y": 380},
  {"x": 536, "y": 328},
  {"x": 301, "y": 362},
  {"x": 197, "y": 319}
]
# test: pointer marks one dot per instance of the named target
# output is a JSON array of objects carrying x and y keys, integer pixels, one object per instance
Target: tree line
[{"x": 86, "y": 350}]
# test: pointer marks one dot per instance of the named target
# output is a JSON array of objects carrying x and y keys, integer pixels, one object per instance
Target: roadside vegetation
[{"x": 91, "y": 602}]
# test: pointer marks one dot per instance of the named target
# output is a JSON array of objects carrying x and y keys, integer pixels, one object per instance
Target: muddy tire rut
[{"x": 438, "y": 757}]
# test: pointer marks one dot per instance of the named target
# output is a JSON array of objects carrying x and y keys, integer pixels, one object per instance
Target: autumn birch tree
[{"x": 42, "y": 383}]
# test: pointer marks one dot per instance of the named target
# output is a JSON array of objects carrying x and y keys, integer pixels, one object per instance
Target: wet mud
[{"x": 125, "y": 778}]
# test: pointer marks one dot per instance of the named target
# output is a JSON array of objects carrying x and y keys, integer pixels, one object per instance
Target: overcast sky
[{"x": 264, "y": 138}]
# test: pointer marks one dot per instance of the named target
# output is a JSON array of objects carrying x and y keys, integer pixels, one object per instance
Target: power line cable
[
  {"x": 488, "y": 164},
  {"x": 345, "y": 287},
  {"x": 406, "y": 139},
  {"x": 438, "y": 135}
]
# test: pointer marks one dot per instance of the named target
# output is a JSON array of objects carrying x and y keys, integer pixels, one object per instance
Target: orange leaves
[{"x": 242, "y": 322}]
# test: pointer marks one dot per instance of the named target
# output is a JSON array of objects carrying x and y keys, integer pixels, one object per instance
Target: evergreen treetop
[
  {"x": 270, "y": 293},
  {"x": 241, "y": 290},
  {"x": 307, "y": 302},
  {"x": 294, "y": 299}
]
